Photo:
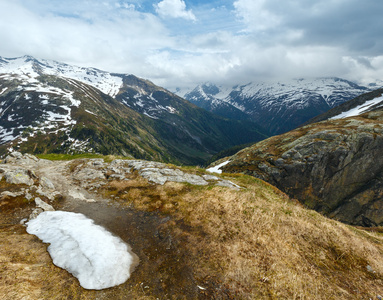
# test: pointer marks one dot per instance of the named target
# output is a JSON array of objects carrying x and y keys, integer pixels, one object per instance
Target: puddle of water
[{"x": 163, "y": 269}]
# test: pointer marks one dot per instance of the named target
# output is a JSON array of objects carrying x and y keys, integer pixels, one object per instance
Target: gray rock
[
  {"x": 117, "y": 176},
  {"x": 189, "y": 178},
  {"x": 31, "y": 157},
  {"x": 46, "y": 183},
  {"x": 16, "y": 155},
  {"x": 88, "y": 174},
  {"x": 154, "y": 176},
  {"x": 229, "y": 184},
  {"x": 18, "y": 176},
  {"x": 28, "y": 196},
  {"x": 279, "y": 162},
  {"x": 210, "y": 177},
  {"x": 171, "y": 172},
  {"x": 35, "y": 213},
  {"x": 43, "y": 205},
  {"x": 10, "y": 194},
  {"x": 97, "y": 162},
  {"x": 9, "y": 159}
]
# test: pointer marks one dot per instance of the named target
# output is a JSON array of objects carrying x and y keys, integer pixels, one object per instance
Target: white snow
[
  {"x": 24, "y": 66},
  {"x": 90, "y": 112},
  {"x": 3, "y": 90},
  {"x": 217, "y": 168},
  {"x": 293, "y": 92},
  {"x": 93, "y": 255},
  {"x": 171, "y": 109},
  {"x": 356, "y": 111}
]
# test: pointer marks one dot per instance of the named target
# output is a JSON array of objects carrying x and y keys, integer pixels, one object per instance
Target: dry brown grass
[
  {"x": 254, "y": 243},
  {"x": 262, "y": 245}
]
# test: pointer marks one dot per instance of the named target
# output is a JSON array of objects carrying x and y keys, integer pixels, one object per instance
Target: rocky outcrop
[
  {"x": 335, "y": 167},
  {"x": 44, "y": 181},
  {"x": 155, "y": 172}
]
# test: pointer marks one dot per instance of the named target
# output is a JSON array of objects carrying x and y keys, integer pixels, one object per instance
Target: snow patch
[
  {"x": 3, "y": 90},
  {"x": 93, "y": 255},
  {"x": 90, "y": 112},
  {"x": 217, "y": 168},
  {"x": 356, "y": 111}
]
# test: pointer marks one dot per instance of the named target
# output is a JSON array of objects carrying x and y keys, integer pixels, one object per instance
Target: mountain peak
[{"x": 279, "y": 106}]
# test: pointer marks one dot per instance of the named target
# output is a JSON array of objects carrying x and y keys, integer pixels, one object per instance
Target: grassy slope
[{"x": 254, "y": 243}]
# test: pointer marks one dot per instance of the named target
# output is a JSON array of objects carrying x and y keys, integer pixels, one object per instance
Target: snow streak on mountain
[
  {"x": 49, "y": 106},
  {"x": 279, "y": 106}
]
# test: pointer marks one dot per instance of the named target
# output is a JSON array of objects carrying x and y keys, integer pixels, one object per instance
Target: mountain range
[
  {"x": 278, "y": 106},
  {"x": 47, "y": 106}
]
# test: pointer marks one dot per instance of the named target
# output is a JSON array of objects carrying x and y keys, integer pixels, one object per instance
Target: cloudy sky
[{"x": 180, "y": 43}]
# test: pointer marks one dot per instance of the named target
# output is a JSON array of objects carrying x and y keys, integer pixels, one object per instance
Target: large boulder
[
  {"x": 335, "y": 167},
  {"x": 18, "y": 176}
]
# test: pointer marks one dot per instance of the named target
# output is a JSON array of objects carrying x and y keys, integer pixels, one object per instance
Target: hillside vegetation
[{"x": 193, "y": 241}]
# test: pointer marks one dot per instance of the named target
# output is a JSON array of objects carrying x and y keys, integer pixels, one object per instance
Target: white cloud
[
  {"x": 255, "y": 14},
  {"x": 174, "y": 9},
  {"x": 118, "y": 41},
  {"x": 261, "y": 40}
]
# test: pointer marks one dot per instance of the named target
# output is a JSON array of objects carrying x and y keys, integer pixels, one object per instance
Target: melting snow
[
  {"x": 3, "y": 90},
  {"x": 93, "y": 255},
  {"x": 217, "y": 168},
  {"x": 90, "y": 112},
  {"x": 356, "y": 111}
]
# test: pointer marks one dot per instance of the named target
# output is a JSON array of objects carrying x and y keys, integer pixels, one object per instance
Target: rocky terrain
[
  {"x": 197, "y": 235},
  {"x": 334, "y": 167}
]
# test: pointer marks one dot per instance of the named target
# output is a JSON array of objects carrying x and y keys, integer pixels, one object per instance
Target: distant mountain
[
  {"x": 47, "y": 106},
  {"x": 280, "y": 106}
]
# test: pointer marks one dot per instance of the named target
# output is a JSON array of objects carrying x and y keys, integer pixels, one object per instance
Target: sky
[{"x": 182, "y": 43}]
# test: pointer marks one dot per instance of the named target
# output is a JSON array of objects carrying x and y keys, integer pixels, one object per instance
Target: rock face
[{"x": 334, "y": 167}]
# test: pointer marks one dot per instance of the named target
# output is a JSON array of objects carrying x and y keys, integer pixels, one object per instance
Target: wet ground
[
  {"x": 167, "y": 264},
  {"x": 164, "y": 269}
]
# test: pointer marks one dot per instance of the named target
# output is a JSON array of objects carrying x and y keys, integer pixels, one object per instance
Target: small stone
[
  {"x": 30, "y": 156},
  {"x": 46, "y": 183},
  {"x": 370, "y": 269},
  {"x": 22, "y": 222},
  {"x": 43, "y": 205},
  {"x": 35, "y": 213},
  {"x": 8, "y": 194},
  {"x": 16, "y": 154}
]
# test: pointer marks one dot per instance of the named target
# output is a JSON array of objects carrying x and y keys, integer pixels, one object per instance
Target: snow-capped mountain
[
  {"x": 47, "y": 106},
  {"x": 109, "y": 83},
  {"x": 279, "y": 106}
]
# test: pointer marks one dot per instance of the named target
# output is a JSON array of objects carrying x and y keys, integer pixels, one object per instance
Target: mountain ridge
[
  {"x": 278, "y": 106},
  {"x": 55, "y": 95}
]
